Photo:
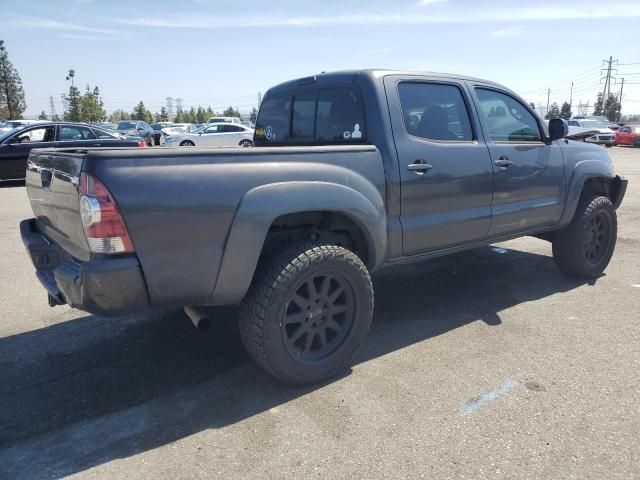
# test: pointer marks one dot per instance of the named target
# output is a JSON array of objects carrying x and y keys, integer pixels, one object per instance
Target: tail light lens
[
  {"x": 103, "y": 225},
  {"x": 142, "y": 143}
]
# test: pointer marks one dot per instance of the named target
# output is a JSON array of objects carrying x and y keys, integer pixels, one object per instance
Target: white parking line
[{"x": 472, "y": 405}]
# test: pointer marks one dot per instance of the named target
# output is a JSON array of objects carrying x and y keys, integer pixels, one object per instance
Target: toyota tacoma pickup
[{"x": 351, "y": 171}]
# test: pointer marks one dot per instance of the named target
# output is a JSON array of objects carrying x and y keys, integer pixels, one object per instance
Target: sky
[{"x": 223, "y": 52}]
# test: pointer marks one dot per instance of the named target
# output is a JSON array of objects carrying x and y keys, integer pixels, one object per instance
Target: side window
[
  {"x": 272, "y": 124},
  {"x": 303, "y": 117},
  {"x": 73, "y": 133},
  {"x": 435, "y": 111},
  {"x": 214, "y": 129},
  {"x": 46, "y": 134},
  {"x": 340, "y": 116},
  {"x": 102, "y": 134},
  {"x": 573, "y": 123},
  {"x": 231, "y": 128},
  {"x": 506, "y": 118}
]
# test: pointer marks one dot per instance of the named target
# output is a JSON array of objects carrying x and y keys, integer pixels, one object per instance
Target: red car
[{"x": 628, "y": 135}]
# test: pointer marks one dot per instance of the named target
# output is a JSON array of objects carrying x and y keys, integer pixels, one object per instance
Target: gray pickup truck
[{"x": 352, "y": 171}]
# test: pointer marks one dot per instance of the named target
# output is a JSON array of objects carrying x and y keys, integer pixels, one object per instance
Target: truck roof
[{"x": 348, "y": 76}]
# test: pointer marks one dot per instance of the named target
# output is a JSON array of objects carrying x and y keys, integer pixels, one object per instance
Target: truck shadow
[{"x": 81, "y": 393}]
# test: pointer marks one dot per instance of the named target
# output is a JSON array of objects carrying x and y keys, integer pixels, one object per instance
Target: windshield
[{"x": 126, "y": 125}]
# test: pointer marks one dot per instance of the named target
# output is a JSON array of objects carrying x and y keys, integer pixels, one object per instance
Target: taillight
[
  {"x": 142, "y": 143},
  {"x": 103, "y": 225}
]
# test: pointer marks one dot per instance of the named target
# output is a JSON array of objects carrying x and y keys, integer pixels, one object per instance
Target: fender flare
[
  {"x": 582, "y": 172},
  {"x": 262, "y": 205}
]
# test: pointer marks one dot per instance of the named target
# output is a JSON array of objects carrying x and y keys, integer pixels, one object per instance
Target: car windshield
[
  {"x": 157, "y": 126},
  {"x": 126, "y": 125}
]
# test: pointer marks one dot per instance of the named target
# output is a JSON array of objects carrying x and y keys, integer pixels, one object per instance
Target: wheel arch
[
  {"x": 269, "y": 207},
  {"x": 591, "y": 177}
]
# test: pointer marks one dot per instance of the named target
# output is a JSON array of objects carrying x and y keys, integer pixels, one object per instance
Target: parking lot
[{"x": 484, "y": 364}]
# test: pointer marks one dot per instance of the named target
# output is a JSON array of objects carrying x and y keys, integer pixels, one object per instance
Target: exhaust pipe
[{"x": 199, "y": 318}]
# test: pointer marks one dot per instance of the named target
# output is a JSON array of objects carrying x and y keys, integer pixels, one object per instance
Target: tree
[
  {"x": 163, "y": 117},
  {"x": 72, "y": 113},
  {"x": 630, "y": 118},
  {"x": 141, "y": 113},
  {"x": 43, "y": 115},
  {"x": 554, "y": 111},
  {"x": 253, "y": 116},
  {"x": 565, "y": 111},
  {"x": 12, "y": 102},
  {"x": 179, "y": 116},
  {"x": 231, "y": 112},
  {"x": 200, "y": 115},
  {"x": 118, "y": 115},
  {"x": 611, "y": 108},
  {"x": 598, "y": 107},
  {"x": 91, "y": 106}
]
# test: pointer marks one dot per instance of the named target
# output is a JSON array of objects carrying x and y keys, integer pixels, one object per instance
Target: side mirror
[{"x": 558, "y": 128}]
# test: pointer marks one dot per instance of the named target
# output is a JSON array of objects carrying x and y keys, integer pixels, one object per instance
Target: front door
[
  {"x": 528, "y": 171},
  {"x": 445, "y": 168},
  {"x": 13, "y": 156}
]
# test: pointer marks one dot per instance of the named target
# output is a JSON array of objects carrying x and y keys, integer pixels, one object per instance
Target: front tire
[
  {"x": 584, "y": 248},
  {"x": 187, "y": 143},
  {"x": 307, "y": 312}
]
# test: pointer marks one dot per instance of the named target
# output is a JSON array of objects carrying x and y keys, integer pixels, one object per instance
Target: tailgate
[{"x": 52, "y": 181}]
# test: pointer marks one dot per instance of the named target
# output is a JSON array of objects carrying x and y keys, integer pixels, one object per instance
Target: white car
[
  {"x": 602, "y": 133},
  {"x": 214, "y": 135},
  {"x": 179, "y": 128},
  {"x": 225, "y": 120}
]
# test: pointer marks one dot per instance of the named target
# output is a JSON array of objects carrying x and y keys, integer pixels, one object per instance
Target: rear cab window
[{"x": 320, "y": 116}]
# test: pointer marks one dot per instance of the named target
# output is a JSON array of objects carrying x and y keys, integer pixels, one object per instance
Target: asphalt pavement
[{"x": 484, "y": 364}]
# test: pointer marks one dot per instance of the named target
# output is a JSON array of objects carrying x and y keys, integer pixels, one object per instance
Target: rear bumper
[{"x": 104, "y": 286}]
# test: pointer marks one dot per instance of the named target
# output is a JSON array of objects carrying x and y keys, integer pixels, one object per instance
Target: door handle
[
  {"x": 503, "y": 162},
  {"x": 419, "y": 167}
]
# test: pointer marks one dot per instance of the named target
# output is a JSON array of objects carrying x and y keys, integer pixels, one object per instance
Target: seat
[{"x": 434, "y": 124}]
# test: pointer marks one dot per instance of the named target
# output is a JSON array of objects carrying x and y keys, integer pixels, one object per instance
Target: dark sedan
[{"x": 16, "y": 144}]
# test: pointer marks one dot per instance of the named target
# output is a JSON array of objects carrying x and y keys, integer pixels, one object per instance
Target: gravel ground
[{"x": 485, "y": 364}]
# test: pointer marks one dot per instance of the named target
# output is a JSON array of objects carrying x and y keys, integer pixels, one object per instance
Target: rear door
[
  {"x": 528, "y": 172},
  {"x": 13, "y": 156},
  {"x": 445, "y": 168},
  {"x": 76, "y": 136}
]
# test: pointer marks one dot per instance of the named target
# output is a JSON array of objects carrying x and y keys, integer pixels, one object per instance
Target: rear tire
[
  {"x": 246, "y": 143},
  {"x": 584, "y": 248},
  {"x": 187, "y": 143},
  {"x": 307, "y": 312}
]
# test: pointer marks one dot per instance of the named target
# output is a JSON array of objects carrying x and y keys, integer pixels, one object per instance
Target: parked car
[
  {"x": 179, "y": 128},
  {"x": 214, "y": 135},
  {"x": 16, "y": 144},
  {"x": 601, "y": 119},
  {"x": 11, "y": 124},
  {"x": 628, "y": 135},
  {"x": 225, "y": 120},
  {"x": 158, "y": 131},
  {"x": 137, "y": 128},
  {"x": 106, "y": 126},
  {"x": 374, "y": 168},
  {"x": 603, "y": 134}
]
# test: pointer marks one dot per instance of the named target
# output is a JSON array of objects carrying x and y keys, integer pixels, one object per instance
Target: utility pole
[
  {"x": 548, "y": 96},
  {"x": 170, "y": 109},
  {"x": 571, "y": 97},
  {"x": 178, "y": 105},
  {"x": 52, "y": 107},
  {"x": 620, "y": 100}
]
